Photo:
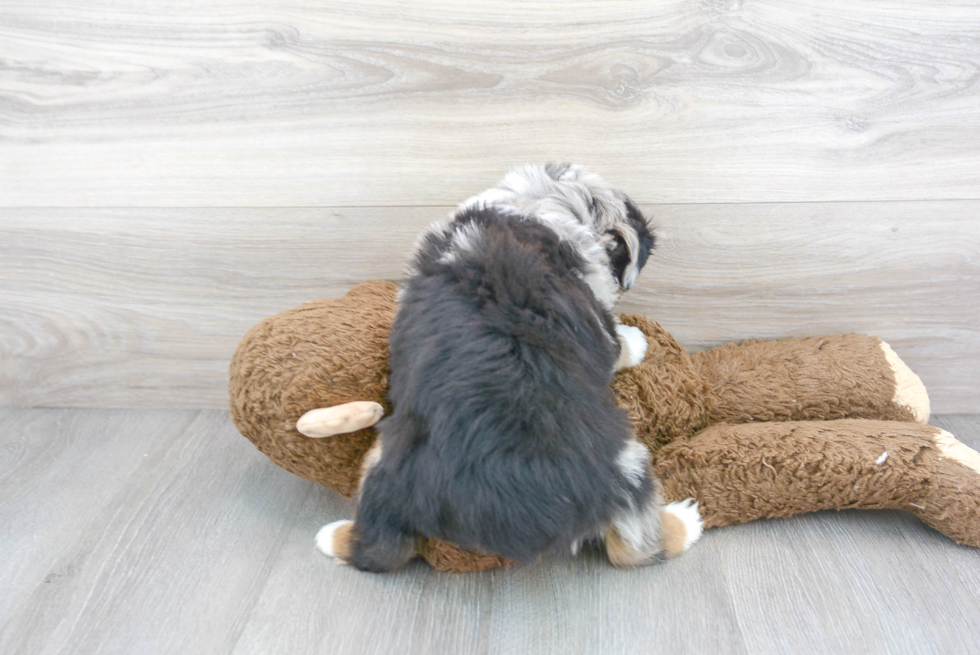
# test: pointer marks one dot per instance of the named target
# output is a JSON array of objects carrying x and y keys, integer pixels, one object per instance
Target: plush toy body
[{"x": 759, "y": 430}]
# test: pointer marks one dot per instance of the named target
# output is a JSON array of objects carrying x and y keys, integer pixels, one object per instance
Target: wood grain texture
[
  {"x": 140, "y": 530},
  {"x": 291, "y": 103},
  {"x": 48, "y": 457},
  {"x": 561, "y": 605},
  {"x": 164, "y": 531},
  {"x": 144, "y": 307}
]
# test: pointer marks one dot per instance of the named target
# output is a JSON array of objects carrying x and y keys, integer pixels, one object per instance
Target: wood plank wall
[{"x": 170, "y": 174}]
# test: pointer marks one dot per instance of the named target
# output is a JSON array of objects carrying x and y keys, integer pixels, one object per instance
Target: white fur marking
[
  {"x": 635, "y": 341},
  {"x": 639, "y": 528},
  {"x": 324, "y": 538},
  {"x": 633, "y": 460},
  {"x": 881, "y": 460},
  {"x": 634, "y": 530},
  {"x": 467, "y": 236},
  {"x": 463, "y": 240},
  {"x": 687, "y": 512}
]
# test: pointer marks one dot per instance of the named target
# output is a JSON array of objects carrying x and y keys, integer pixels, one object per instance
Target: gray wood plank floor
[{"x": 164, "y": 531}]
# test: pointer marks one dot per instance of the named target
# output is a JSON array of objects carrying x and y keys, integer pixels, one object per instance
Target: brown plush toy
[{"x": 759, "y": 430}]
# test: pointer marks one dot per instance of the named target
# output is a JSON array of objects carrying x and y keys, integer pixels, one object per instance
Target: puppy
[{"x": 505, "y": 436}]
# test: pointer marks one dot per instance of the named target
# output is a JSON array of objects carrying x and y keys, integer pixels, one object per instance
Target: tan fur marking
[
  {"x": 343, "y": 541},
  {"x": 371, "y": 457},
  {"x": 673, "y": 534},
  {"x": 619, "y": 552}
]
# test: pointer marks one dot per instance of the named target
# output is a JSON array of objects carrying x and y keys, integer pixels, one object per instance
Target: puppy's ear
[
  {"x": 620, "y": 254},
  {"x": 628, "y": 246},
  {"x": 639, "y": 239}
]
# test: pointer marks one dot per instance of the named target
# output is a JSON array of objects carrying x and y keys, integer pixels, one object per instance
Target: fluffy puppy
[{"x": 505, "y": 436}]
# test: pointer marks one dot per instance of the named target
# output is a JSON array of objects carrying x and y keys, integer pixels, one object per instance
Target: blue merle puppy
[{"x": 505, "y": 437}]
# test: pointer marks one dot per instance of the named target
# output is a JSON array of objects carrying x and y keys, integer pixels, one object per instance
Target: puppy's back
[{"x": 504, "y": 434}]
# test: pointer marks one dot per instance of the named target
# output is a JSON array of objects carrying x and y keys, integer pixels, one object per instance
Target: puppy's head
[
  {"x": 611, "y": 215},
  {"x": 603, "y": 223}
]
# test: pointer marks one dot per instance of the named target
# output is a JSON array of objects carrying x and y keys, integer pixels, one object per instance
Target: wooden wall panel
[
  {"x": 130, "y": 103},
  {"x": 143, "y": 307},
  {"x": 171, "y": 174}
]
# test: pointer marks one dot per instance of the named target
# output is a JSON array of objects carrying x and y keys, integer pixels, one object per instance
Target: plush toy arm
[
  {"x": 739, "y": 473},
  {"x": 322, "y": 354},
  {"x": 818, "y": 378},
  {"x": 339, "y": 419}
]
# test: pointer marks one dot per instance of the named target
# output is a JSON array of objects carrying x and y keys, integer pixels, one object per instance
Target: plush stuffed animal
[{"x": 759, "y": 430}]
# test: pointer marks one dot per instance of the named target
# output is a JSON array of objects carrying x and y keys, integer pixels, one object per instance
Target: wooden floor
[{"x": 163, "y": 531}]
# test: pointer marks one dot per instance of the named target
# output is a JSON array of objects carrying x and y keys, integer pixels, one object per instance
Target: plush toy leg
[
  {"x": 739, "y": 473},
  {"x": 910, "y": 393},
  {"x": 954, "y": 506},
  {"x": 818, "y": 378},
  {"x": 449, "y": 558}
]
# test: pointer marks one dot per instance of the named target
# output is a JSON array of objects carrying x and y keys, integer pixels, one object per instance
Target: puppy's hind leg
[
  {"x": 647, "y": 531},
  {"x": 367, "y": 545},
  {"x": 371, "y": 543}
]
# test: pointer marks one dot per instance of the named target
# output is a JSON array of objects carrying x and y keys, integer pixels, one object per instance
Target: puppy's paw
[
  {"x": 680, "y": 526},
  {"x": 634, "y": 345},
  {"x": 334, "y": 539}
]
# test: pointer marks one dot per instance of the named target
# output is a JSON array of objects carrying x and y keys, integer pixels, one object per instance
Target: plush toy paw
[
  {"x": 681, "y": 526},
  {"x": 634, "y": 345},
  {"x": 333, "y": 539},
  {"x": 909, "y": 390}
]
